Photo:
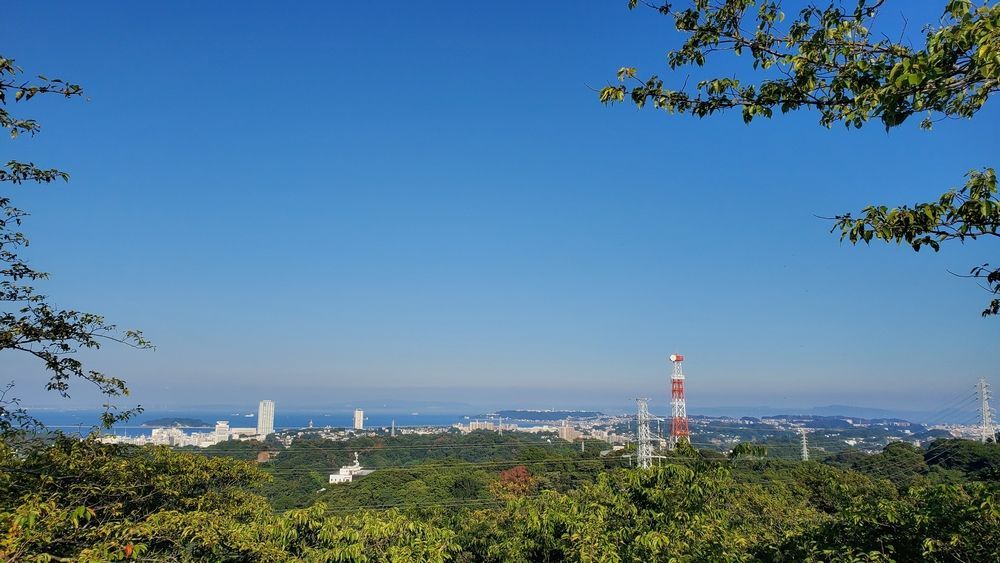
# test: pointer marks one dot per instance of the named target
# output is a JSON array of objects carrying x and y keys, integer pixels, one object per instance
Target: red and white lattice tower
[{"x": 678, "y": 407}]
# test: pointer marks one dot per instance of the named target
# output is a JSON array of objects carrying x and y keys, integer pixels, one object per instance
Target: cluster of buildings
[
  {"x": 826, "y": 433},
  {"x": 342, "y": 434},
  {"x": 474, "y": 425},
  {"x": 967, "y": 431},
  {"x": 174, "y": 436},
  {"x": 569, "y": 430}
]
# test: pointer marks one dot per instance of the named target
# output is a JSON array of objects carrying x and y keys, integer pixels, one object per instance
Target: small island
[{"x": 176, "y": 421}]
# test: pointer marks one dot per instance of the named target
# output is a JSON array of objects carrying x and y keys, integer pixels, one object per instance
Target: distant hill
[
  {"x": 851, "y": 411},
  {"x": 518, "y": 414},
  {"x": 176, "y": 421},
  {"x": 846, "y": 411}
]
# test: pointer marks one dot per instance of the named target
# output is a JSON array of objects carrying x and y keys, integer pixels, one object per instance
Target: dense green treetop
[
  {"x": 825, "y": 57},
  {"x": 80, "y": 500}
]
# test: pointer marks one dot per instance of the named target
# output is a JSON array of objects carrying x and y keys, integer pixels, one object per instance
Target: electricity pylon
[
  {"x": 644, "y": 452},
  {"x": 986, "y": 430}
]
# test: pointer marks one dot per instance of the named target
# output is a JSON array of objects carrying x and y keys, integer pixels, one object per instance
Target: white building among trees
[{"x": 348, "y": 472}]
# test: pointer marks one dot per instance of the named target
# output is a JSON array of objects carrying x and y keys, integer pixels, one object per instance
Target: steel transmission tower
[
  {"x": 644, "y": 452},
  {"x": 805, "y": 445},
  {"x": 987, "y": 430},
  {"x": 678, "y": 407}
]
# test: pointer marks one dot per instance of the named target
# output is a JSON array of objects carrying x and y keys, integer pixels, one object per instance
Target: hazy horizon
[{"x": 951, "y": 408}]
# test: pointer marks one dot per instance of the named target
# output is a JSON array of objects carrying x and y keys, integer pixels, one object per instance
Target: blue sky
[{"x": 343, "y": 202}]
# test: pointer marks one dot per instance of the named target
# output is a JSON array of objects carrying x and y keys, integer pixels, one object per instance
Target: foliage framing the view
[
  {"x": 828, "y": 59},
  {"x": 29, "y": 323},
  {"x": 80, "y": 500}
]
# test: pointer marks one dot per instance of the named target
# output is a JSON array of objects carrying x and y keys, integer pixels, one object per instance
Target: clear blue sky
[{"x": 330, "y": 202}]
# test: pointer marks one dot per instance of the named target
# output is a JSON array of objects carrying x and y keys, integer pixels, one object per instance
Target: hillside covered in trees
[{"x": 490, "y": 498}]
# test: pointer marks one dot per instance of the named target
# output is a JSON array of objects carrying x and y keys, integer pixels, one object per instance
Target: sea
[{"x": 86, "y": 421}]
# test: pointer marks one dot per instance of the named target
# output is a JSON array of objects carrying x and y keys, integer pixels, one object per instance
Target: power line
[
  {"x": 377, "y": 448},
  {"x": 463, "y": 465}
]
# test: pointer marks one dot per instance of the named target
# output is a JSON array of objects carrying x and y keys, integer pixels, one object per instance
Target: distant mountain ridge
[
  {"x": 520, "y": 414},
  {"x": 848, "y": 411},
  {"x": 176, "y": 421}
]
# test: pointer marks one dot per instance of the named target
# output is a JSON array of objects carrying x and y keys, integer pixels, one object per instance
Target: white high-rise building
[
  {"x": 265, "y": 418},
  {"x": 359, "y": 419}
]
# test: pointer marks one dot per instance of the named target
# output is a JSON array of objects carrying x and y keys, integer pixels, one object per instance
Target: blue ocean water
[{"x": 81, "y": 421}]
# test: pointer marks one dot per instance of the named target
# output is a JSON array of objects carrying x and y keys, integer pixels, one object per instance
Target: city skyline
[{"x": 571, "y": 426}]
